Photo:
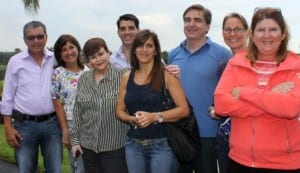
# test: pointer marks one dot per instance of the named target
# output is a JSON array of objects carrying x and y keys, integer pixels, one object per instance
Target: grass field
[
  {"x": 7, "y": 154},
  {"x": 2, "y": 66}
]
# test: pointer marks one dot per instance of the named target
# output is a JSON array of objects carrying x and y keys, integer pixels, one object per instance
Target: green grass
[
  {"x": 7, "y": 154},
  {"x": 2, "y": 66}
]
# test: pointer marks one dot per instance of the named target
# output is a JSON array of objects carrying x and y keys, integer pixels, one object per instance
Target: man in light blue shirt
[
  {"x": 200, "y": 60},
  {"x": 27, "y": 99}
]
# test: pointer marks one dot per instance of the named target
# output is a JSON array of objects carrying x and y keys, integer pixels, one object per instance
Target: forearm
[
  {"x": 125, "y": 117},
  {"x": 175, "y": 114},
  {"x": 7, "y": 121},
  {"x": 285, "y": 105},
  {"x": 61, "y": 116}
]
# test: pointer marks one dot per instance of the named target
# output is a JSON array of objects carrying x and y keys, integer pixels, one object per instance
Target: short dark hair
[
  {"x": 206, "y": 12},
  {"x": 129, "y": 17},
  {"x": 93, "y": 45},
  {"x": 33, "y": 24}
]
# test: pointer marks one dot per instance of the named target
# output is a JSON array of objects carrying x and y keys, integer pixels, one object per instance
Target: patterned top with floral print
[{"x": 64, "y": 87}]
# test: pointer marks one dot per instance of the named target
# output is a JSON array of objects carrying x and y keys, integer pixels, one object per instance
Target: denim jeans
[
  {"x": 150, "y": 156},
  {"x": 47, "y": 136}
]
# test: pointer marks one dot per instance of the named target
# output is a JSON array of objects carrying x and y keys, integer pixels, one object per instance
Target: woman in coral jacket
[{"x": 260, "y": 90}]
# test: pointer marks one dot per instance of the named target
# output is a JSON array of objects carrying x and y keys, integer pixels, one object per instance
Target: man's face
[
  {"x": 127, "y": 31},
  {"x": 35, "y": 39},
  {"x": 195, "y": 26}
]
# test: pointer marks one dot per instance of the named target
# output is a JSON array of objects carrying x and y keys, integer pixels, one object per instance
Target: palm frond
[{"x": 32, "y": 5}]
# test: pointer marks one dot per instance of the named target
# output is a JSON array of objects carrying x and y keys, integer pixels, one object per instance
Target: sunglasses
[{"x": 33, "y": 37}]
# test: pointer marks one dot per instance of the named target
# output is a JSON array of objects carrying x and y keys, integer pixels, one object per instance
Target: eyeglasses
[
  {"x": 234, "y": 30},
  {"x": 33, "y": 37}
]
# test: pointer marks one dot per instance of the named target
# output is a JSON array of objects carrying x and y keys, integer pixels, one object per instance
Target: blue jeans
[
  {"x": 47, "y": 136},
  {"x": 150, "y": 156}
]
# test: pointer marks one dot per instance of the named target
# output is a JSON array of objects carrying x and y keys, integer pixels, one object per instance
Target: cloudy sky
[{"x": 95, "y": 18}]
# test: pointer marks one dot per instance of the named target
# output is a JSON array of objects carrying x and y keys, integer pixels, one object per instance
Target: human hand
[
  {"x": 76, "y": 149},
  {"x": 212, "y": 113},
  {"x": 65, "y": 140},
  {"x": 173, "y": 70},
  {"x": 13, "y": 137},
  {"x": 144, "y": 119},
  {"x": 235, "y": 92},
  {"x": 133, "y": 121},
  {"x": 283, "y": 88}
]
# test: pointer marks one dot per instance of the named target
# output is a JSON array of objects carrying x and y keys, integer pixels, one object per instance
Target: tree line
[{"x": 4, "y": 58}]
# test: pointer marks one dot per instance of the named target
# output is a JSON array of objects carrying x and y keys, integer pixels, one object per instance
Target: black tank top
[{"x": 143, "y": 98}]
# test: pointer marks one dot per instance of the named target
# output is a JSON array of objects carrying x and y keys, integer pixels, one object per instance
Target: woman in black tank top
[{"x": 140, "y": 105}]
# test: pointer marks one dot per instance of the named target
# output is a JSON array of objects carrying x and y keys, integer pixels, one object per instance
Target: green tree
[{"x": 32, "y": 5}]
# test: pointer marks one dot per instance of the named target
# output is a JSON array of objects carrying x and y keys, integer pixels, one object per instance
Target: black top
[{"x": 143, "y": 98}]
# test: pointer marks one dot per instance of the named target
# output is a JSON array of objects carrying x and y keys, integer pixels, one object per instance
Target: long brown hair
[{"x": 155, "y": 75}]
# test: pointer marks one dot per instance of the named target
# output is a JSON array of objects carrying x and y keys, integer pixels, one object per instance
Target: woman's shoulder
[
  {"x": 293, "y": 55},
  {"x": 291, "y": 61},
  {"x": 87, "y": 73},
  {"x": 126, "y": 74},
  {"x": 170, "y": 79},
  {"x": 60, "y": 68},
  {"x": 59, "y": 71},
  {"x": 240, "y": 58}
]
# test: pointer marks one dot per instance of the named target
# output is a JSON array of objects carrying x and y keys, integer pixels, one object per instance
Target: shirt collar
[
  {"x": 108, "y": 75},
  {"x": 208, "y": 42},
  {"x": 120, "y": 53},
  {"x": 47, "y": 54}
]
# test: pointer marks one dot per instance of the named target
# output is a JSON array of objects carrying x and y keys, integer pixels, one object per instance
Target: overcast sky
[{"x": 95, "y": 18}]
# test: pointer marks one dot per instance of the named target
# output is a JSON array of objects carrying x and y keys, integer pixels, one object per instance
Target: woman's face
[
  {"x": 234, "y": 34},
  {"x": 146, "y": 52},
  {"x": 69, "y": 53},
  {"x": 267, "y": 36},
  {"x": 100, "y": 60}
]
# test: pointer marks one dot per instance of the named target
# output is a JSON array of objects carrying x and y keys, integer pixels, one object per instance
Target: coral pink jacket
[{"x": 265, "y": 126}]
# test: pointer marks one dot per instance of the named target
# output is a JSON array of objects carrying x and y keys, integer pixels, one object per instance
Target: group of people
[{"x": 110, "y": 114}]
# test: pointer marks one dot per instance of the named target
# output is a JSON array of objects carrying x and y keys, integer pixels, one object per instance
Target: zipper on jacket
[
  {"x": 287, "y": 140},
  {"x": 252, "y": 140}
]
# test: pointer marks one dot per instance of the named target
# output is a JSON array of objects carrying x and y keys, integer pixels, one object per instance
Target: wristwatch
[{"x": 160, "y": 118}]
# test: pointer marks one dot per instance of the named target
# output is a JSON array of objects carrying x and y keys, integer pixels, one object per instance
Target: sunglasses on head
[{"x": 33, "y": 37}]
